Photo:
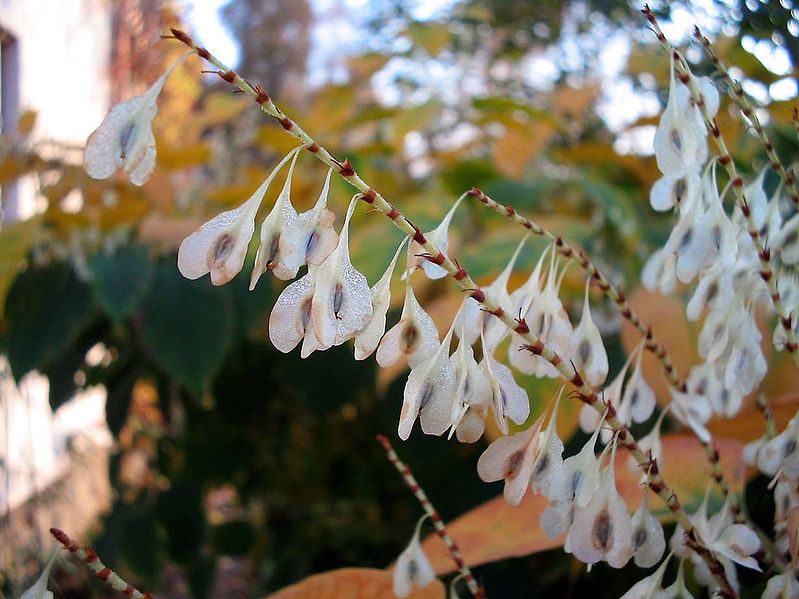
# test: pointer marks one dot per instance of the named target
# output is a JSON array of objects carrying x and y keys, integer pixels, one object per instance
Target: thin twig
[
  {"x": 474, "y": 587},
  {"x": 87, "y": 555},
  {"x": 767, "y": 273},
  {"x": 736, "y": 92},
  {"x": 651, "y": 343},
  {"x": 432, "y": 253}
]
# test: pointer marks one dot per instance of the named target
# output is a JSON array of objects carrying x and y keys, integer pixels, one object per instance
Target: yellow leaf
[
  {"x": 433, "y": 37},
  {"x": 519, "y": 145},
  {"x": 366, "y": 65},
  {"x": 173, "y": 157},
  {"x": 26, "y": 122},
  {"x": 15, "y": 241}
]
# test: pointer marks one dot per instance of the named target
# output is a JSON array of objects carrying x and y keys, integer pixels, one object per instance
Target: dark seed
[
  {"x": 274, "y": 246},
  {"x": 124, "y": 139},
  {"x": 584, "y": 351},
  {"x": 675, "y": 139},
  {"x": 513, "y": 464},
  {"x": 312, "y": 241},
  {"x": 305, "y": 313},
  {"x": 686, "y": 239},
  {"x": 577, "y": 477},
  {"x": 716, "y": 236},
  {"x": 602, "y": 532},
  {"x": 223, "y": 247},
  {"x": 639, "y": 537},
  {"x": 409, "y": 337},
  {"x": 543, "y": 464},
  {"x": 680, "y": 188},
  {"x": 790, "y": 447},
  {"x": 338, "y": 299},
  {"x": 413, "y": 569},
  {"x": 467, "y": 386}
]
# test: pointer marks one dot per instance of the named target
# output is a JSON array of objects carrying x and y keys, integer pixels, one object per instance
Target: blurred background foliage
[{"x": 229, "y": 450}]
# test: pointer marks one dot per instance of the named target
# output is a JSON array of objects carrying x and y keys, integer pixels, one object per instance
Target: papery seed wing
[
  {"x": 220, "y": 245},
  {"x": 305, "y": 237},
  {"x": 390, "y": 348},
  {"x": 276, "y": 222},
  {"x": 291, "y": 315},
  {"x": 125, "y": 137},
  {"x": 649, "y": 543},
  {"x": 342, "y": 303},
  {"x": 471, "y": 426},
  {"x": 436, "y": 413},
  {"x": 418, "y": 390}
]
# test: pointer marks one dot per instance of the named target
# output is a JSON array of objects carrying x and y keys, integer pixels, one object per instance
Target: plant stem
[
  {"x": 534, "y": 344},
  {"x": 87, "y": 555},
  {"x": 784, "y": 318},
  {"x": 651, "y": 343},
  {"x": 748, "y": 113},
  {"x": 476, "y": 589},
  {"x": 617, "y": 296}
]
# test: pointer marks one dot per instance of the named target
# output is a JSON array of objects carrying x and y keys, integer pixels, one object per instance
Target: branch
[
  {"x": 476, "y": 589},
  {"x": 533, "y": 343},
  {"x": 87, "y": 555},
  {"x": 685, "y": 76},
  {"x": 736, "y": 92},
  {"x": 651, "y": 343}
]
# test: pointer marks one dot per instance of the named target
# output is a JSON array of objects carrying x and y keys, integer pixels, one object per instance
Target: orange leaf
[
  {"x": 749, "y": 424},
  {"x": 496, "y": 530},
  {"x": 519, "y": 145},
  {"x": 353, "y": 583},
  {"x": 666, "y": 316}
]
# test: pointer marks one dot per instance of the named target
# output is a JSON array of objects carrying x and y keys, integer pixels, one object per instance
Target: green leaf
[
  {"x": 502, "y": 104},
  {"x": 46, "y": 309},
  {"x": 233, "y": 538},
  {"x": 252, "y": 308},
  {"x": 120, "y": 280},
  {"x": 15, "y": 242},
  {"x": 433, "y": 37},
  {"x": 187, "y": 326}
]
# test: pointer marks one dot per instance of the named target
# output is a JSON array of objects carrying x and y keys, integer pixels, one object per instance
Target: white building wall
[{"x": 63, "y": 50}]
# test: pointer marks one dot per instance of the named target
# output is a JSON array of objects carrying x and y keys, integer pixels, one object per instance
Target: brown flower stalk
[
  {"x": 474, "y": 587},
  {"x": 784, "y": 318},
  {"x": 87, "y": 555},
  {"x": 651, "y": 343},
  {"x": 749, "y": 114},
  {"x": 432, "y": 253},
  {"x": 619, "y": 299}
]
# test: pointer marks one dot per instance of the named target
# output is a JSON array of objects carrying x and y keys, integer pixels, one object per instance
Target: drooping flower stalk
[
  {"x": 651, "y": 343},
  {"x": 125, "y": 137},
  {"x": 767, "y": 272},
  {"x": 616, "y": 295},
  {"x": 748, "y": 113},
  {"x": 412, "y": 569},
  {"x": 87, "y": 555},
  {"x": 532, "y": 343},
  {"x": 474, "y": 587}
]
